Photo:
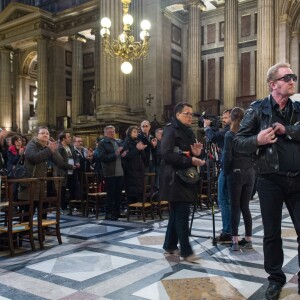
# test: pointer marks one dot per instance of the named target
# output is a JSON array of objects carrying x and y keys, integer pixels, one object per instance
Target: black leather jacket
[{"x": 259, "y": 117}]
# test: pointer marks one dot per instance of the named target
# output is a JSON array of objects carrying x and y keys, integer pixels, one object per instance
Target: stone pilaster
[
  {"x": 5, "y": 90},
  {"x": 265, "y": 45},
  {"x": 77, "y": 77},
  {"x": 295, "y": 55},
  {"x": 42, "y": 61},
  {"x": 194, "y": 55},
  {"x": 231, "y": 53},
  {"x": 96, "y": 33}
]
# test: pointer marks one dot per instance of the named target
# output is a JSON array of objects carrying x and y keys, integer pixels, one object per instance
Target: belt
[{"x": 288, "y": 174}]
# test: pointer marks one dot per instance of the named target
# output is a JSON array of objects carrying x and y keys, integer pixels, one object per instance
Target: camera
[{"x": 215, "y": 120}]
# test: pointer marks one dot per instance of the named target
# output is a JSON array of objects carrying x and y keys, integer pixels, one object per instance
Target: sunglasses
[{"x": 288, "y": 77}]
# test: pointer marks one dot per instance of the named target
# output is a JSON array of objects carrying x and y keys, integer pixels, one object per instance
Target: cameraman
[{"x": 217, "y": 137}]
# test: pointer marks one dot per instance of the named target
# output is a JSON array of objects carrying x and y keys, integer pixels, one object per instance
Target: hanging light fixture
[{"x": 125, "y": 46}]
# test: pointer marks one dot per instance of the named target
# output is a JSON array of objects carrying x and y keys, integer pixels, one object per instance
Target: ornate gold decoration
[{"x": 125, "y": 46}]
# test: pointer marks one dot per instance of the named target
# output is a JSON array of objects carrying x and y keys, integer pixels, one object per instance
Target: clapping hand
[
  {"x": 140, "y": 146},
  {"x": 196, "y": 148}
]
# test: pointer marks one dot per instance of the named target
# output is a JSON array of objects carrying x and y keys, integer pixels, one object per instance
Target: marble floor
[{"x": 124, "y": 260}]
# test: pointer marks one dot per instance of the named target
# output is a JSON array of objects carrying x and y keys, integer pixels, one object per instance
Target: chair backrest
[
  {"x": 4, "y": 188},
  {"x": 90, "y": 182},
  {"x": 22, "y": 210},
  {"x": 50, "y": 196},
  {"x": 149, "y": 186}
]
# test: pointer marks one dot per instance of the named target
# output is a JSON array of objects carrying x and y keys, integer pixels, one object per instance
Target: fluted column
[
  {"x": 5, "y": 90},
  {"x": 231, "y": 53},
  {"x": 135, "y": 80},
  {"x": 96, "y": 33},
  {"x": 77, "y": 77},
  {"x": 295, "y": 55},
  {"x": 112, "y": 83},
  {"x": 42, "y": 61},
  {"x": 194, "y": 55},
  {"x": 265, "y": 45}
]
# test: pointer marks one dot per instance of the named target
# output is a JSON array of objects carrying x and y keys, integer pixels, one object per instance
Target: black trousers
[
  {"x": 273, "y": 191},
  {"x": 114, "y": 193},
  {"x": 240, "y": 187}
]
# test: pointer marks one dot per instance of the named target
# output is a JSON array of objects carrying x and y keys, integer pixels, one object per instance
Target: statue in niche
[
  {"x": 93, "y": 99},
  {"x": 35, "y": 99}
]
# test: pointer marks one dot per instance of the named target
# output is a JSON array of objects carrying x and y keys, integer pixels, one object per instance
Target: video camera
[{"x": 215, "y": 124}]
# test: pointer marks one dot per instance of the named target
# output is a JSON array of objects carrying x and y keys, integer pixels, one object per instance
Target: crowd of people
[{"x": 259, "y": 149}]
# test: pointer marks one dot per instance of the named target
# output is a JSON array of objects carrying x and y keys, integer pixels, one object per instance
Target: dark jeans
[
  {"x": 273, "y": 190},
  {"x": 71, "y": 186},
  {"x": 114, "y": 193},
  {"x": 178, "y": 228},
  {"x": 240, "y": 187}
]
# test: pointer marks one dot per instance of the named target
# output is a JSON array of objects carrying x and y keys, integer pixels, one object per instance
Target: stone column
[
  {"x": 5, "y": 90},
  {"x": 42, "y": 62},
  {"x": 231, "y": 53},
  {"x": 77, "y": 77},
  {"x": 96, "y": 33},
  {"x": 295, "y": 55},
  {"x": 135, "y": 79},
  {"x": 265, "y": 45},
  {"x": 194, "y": 55},
  {"x": 112, "y": 84}
]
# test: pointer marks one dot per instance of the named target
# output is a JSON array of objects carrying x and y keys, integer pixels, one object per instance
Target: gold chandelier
[{"x": 125, "y": 46}]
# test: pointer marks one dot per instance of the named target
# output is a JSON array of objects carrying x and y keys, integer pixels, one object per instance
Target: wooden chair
[
  {"x": 16, "y": 217},
  {"x": 94, "y": 198},
  {"x": 48, "y": 204},
  {"x": 159, "y": 206},
  {"x": 143, "y": 207}
]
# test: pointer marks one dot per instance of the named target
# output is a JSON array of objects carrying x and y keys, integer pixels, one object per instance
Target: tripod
[{"x": 210, "y": 165}]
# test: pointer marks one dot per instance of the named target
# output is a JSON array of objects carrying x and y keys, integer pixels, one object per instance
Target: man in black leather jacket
[{"x": 271, "y": 132}]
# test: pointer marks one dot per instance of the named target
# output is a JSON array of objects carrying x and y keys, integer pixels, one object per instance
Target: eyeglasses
[
  {"x": 288, "y": 77},
  {"x": 187, "y": 113},
  {"x": 145, "y": 126}
]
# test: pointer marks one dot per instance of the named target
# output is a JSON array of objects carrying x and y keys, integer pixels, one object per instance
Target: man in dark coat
[
  {"x": 270, "y": 131},
  {"x": 110, "y": 155},
  {"x": 179, "y": 150}
]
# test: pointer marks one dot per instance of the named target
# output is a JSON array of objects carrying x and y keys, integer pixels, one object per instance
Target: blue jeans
[
  {"x": 178, "y": 228},
  {"x": 273, "y": 191},
  {"x": 224, "y": 203}
]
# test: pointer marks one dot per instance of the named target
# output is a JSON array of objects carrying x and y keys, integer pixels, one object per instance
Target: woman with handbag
[{"x": 180, "y": 151}]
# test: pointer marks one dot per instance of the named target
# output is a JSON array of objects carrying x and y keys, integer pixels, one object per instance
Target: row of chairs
[
  {"x": 17, "y": 223},
  {"x": 93, "y": 198}
]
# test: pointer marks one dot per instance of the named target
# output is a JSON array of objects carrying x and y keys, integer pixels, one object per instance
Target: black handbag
[
  {"x": 189, "y": 175},
  {"x": 20, "y": 171}
]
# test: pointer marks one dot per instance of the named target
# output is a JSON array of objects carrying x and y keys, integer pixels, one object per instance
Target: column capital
[
  {"x": 194, "y": 3},
  {"x": 77, "y": 37},
  {"x": 95, "y": 31}
]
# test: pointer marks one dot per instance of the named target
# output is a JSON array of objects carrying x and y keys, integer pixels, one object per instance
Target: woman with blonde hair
[{"x": 239, "y": 171}]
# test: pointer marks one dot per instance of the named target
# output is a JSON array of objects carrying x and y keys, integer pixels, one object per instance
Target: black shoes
[
  {"x": 224, "y": 238},
  {"x": 273, "y": 291}
]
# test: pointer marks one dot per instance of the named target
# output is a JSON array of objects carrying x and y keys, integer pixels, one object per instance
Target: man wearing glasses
[
  {"x": 270, "y": 131},
  {"x": 147, "y": 139}
]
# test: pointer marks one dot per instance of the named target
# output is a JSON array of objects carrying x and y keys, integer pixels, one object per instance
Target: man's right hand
[{"x": 266, "y": 136}]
